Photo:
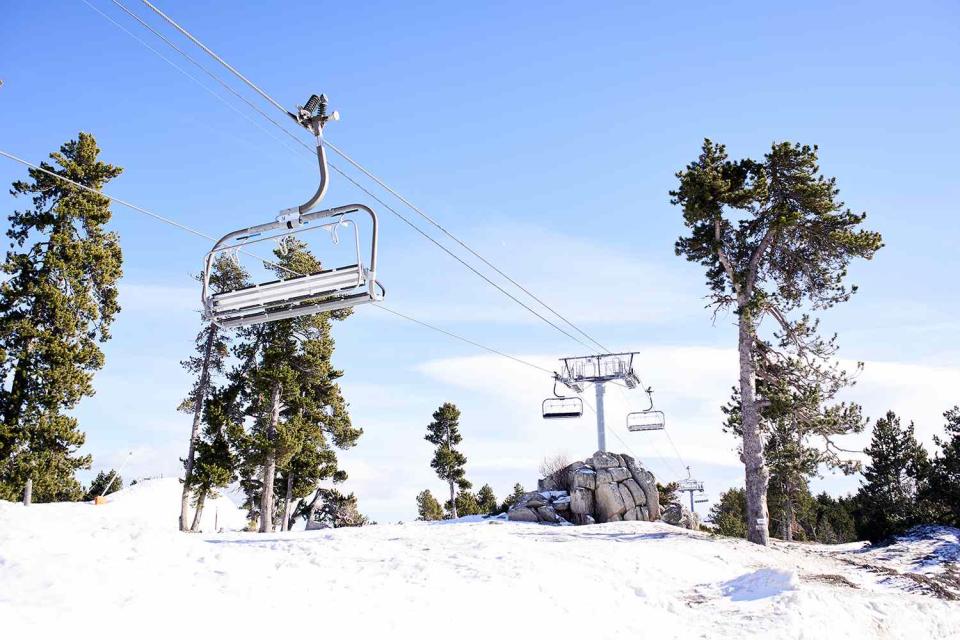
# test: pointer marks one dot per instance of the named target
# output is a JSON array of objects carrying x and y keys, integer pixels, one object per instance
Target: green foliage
[
  {"x": 336, "y": 510},
  {"x": 444, "y": 432},
  {"x": 428, "y": 507},
  {"x": 512, "y": 499},
  {"x": 486, "y": 500},
  {"x": 668, "y": 493},
  {"x": 943, "y": 492},
  {"x": 729, "y": 514},
  {"x": 99, "y": 485},
  {"x": 893, "y": 480},
  {"x": 777, "y": 222},
  {"x": 294, "y": 359},
  {"x": 467, "y": 505},
  {"x": 57, "y": 301}
]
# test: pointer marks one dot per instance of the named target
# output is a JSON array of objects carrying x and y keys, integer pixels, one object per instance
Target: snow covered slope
[{"x": 122, "y": 570}]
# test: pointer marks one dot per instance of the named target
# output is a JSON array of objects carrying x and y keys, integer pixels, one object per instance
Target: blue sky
[{"x": 547, "y": 137}]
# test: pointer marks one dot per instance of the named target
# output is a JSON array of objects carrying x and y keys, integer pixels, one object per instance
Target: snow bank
[{"x": 122, "y": 570}]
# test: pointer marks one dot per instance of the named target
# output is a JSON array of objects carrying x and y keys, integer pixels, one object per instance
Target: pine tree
[
  {"x": 943, "y": 494},
  {"x": 444, "y": 432},
  {"x": 428, "y": 508},
  {"x": 333, "y": 509},
  {"x": 215, "y": 461},
  {"x": 212, "y": 350},
  {"x": 773, "y": 236},
  {"x": 667, "y": 493},
  {"x": 486, "y": 500},
  {"x": 891, "y": 482},
  {"x": 466, "y": 505},
  {"x": 57, "y": 302},
  {"x": 728, "y": 515},
  {"x": 512, "y": 499},
  {"x": 298, "y": 411},
  {"x": 105, "y": 480}
]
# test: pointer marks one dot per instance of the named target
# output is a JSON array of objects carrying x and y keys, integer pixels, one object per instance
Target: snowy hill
[{"x": 122, "y": 570}]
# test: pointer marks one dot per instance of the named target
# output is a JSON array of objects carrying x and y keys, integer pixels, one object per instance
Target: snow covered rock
[
  {"x": 680, "y": 516},
  {"x": 606, "y": 487}
]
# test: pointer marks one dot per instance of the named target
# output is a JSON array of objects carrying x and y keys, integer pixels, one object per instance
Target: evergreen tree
[
  {"x": 428, "y": 508},
  {"x": 773, "y": 236},
  {"x": 212, "y": 350},
  {"x": 105, "y": 480},
  {"x": 512, "y": 499},
  {"x": 297, "y": 408},
  {"x": 668, "y": 493},
  {"x": 891, "y": 482},
  {"x": 728, "y": 515},
  {"x": 486, "y": 500},
  {"x": 57, "y": 302},
  {"x": 333, "y": 509},
  {"x": 944, "y": 490},
  {"x": 466, "y": 505},
  {"x": 448, "y": 462},
  {"x": 215, "y": 462}
]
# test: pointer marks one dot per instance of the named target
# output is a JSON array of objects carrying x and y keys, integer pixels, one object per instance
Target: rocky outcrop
[
  {"x": 606, "y": 487},
  {"x": 680, "y": 516}
]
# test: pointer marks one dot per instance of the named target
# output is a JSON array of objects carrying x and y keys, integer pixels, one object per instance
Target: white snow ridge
[{"x": 122, "y": 570}]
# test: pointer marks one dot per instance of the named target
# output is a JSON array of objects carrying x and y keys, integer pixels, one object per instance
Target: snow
[{"x": 122, "y": 570}]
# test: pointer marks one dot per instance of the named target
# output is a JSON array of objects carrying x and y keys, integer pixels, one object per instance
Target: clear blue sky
[{"x": 547, "y": 137}]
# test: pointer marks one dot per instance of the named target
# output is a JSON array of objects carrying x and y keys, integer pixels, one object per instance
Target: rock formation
[{"x": 606, "y": 487}]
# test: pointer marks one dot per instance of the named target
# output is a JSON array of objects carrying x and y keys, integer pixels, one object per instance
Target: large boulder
[
  {"x": 639, "y": 497},
  {"x": 619, "y": 474},
  {"x": 680, "y": 516},
  {"x": 522, "y": 514},
  {"x": 603, "y": 460},
  {"x": 584, "y": 477},
  {"x": 647, "y": 483},
  {"x": 581, "y": 501},
  {"x": 609, "y": 502}
]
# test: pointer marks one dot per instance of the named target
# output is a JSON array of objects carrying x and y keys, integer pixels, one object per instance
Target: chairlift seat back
[
  {"x": 554, "y": 408},
  {"x": 645, "y": 421}
]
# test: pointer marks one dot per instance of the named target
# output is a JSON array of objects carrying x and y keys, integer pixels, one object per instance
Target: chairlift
[
  {"x": 561, "y": 406},
  {"x": 301, "y": 294}
]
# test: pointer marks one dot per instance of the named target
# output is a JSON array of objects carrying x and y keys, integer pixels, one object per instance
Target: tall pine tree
[
  {"x": 212, "y": 349},
  {"x": 944, "y": 489},
  {"x": 448, "y": 462},
  {"x": 298, "y": 411},
  {"x": 892, "y": 480},
  {"x": 773, "y": 237},
  {"x": 56, "y": 304}
]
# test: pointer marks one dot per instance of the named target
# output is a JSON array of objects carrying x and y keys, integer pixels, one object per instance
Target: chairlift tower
[
  {"x": 689, "y": 485},
  {"x": 598, "y": 370}
]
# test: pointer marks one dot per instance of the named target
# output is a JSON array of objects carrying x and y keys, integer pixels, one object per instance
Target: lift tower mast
[{"x": 599, "y": 370}]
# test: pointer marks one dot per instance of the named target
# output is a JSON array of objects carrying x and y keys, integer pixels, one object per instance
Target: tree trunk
[
  {"x": 453, "y": 500},
  {"x": 788, "y": 516},
  {"x": 195, "y": 430},
  {"x": 755, "y": 469},
  {"x": 28, "y": 493},
  {"x": 196, "y": 516},
  {"x": 270, "y": 467},
  {"x": 285, "y": 523}
]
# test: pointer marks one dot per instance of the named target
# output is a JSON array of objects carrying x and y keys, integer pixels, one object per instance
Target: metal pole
[
  {"x": 601, "y": 431},
  {"x": 692, "y": 510}
]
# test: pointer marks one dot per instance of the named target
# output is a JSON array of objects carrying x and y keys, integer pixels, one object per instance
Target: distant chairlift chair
[{"x": 302, "y": 294}]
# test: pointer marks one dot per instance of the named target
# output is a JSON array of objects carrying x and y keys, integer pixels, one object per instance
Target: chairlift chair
[
  {"x": 301, "y": 294},
  {"x": 561, "y": 406},
  {"x": 648, "y": 420}
]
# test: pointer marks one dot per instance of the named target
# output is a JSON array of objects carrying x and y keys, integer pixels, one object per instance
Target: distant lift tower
[
  {"x": 597, "y": 370},
  {"x": 689, "y": 485}
]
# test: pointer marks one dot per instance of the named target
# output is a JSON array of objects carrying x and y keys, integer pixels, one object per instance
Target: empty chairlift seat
[
  {"x": 645, "y": 421},
  {"x": 562, "y": 408},
  {"x": 296, "y": 294}
]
